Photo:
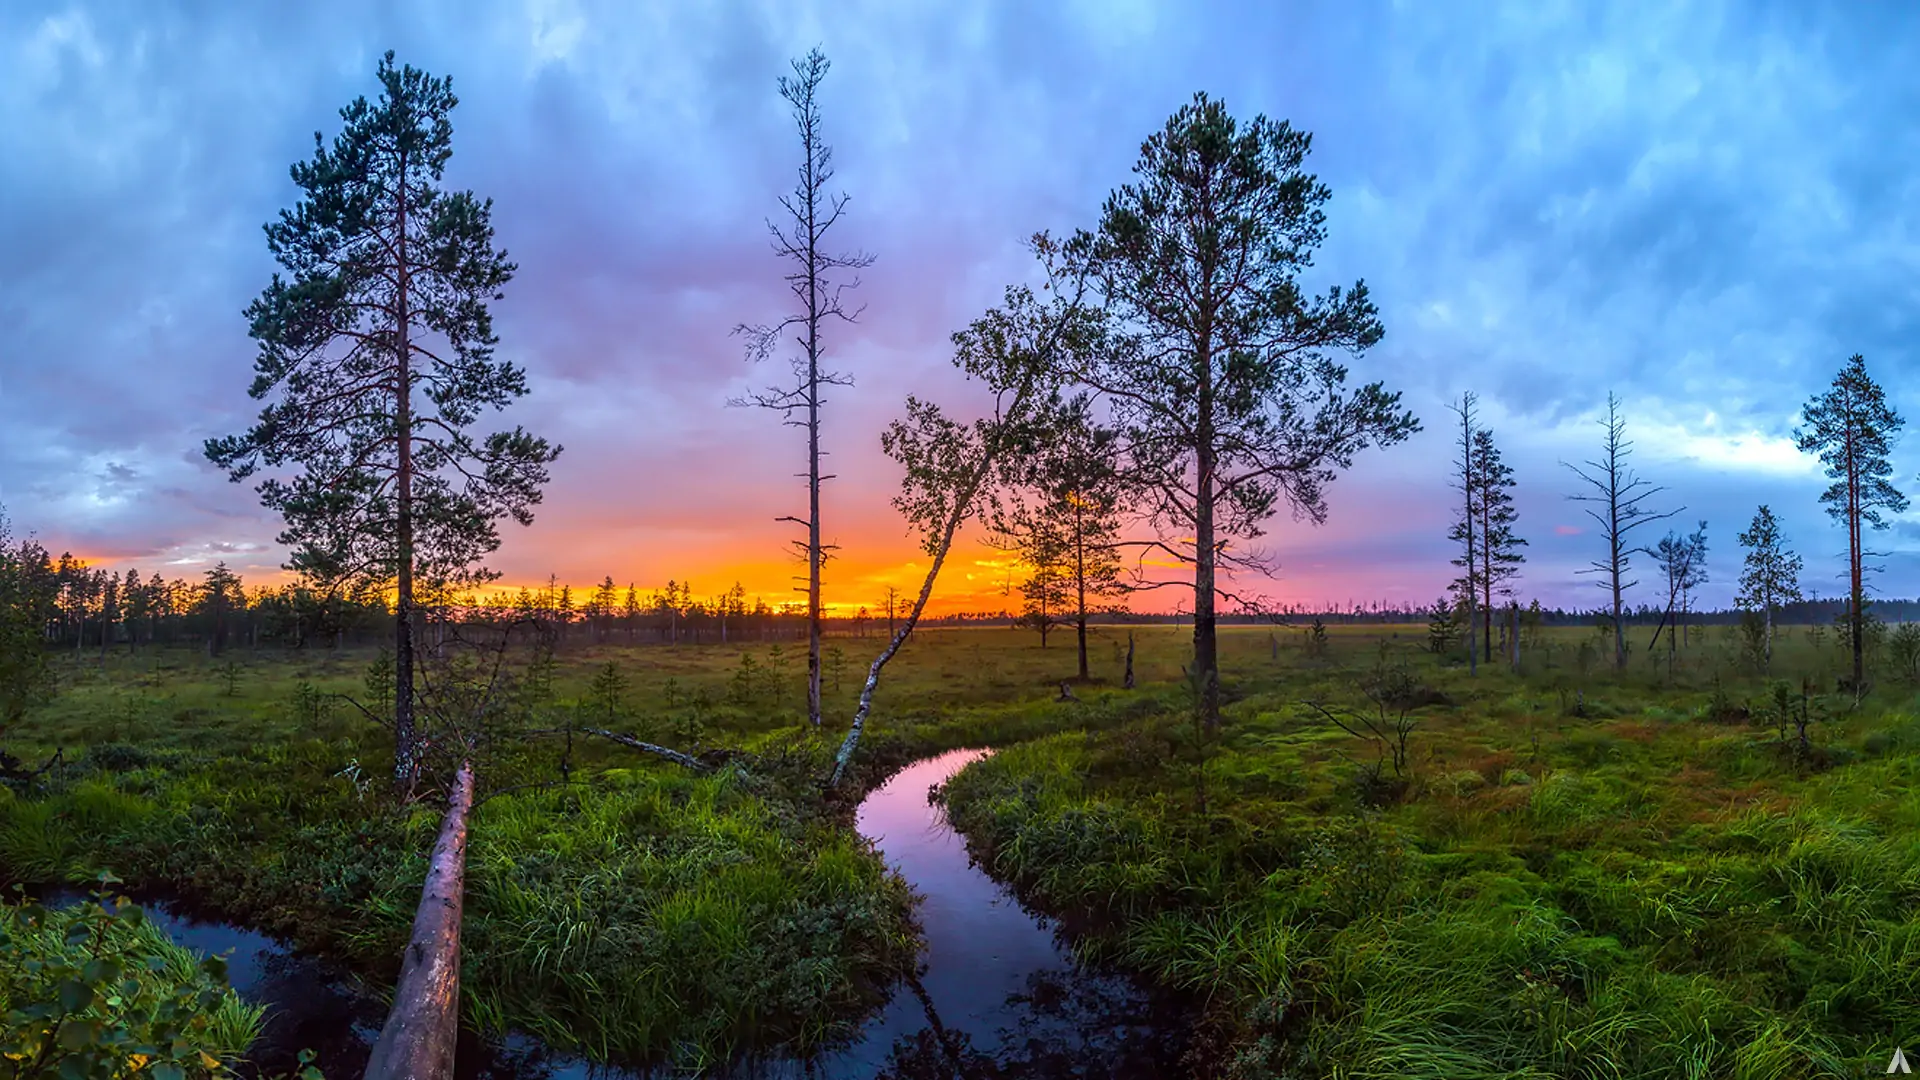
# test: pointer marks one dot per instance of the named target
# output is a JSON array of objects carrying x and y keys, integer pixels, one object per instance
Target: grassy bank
[
  {"x": 639, "y": 912},
  {"x": 1573, "y": 875}
]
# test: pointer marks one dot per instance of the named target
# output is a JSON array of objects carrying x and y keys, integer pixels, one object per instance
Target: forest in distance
[{"x": 630, "y": 827}]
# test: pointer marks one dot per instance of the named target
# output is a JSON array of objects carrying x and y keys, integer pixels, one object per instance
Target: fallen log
[
  {"x": 669, "y": 753},
  {"x": 418, "y": 1039}
]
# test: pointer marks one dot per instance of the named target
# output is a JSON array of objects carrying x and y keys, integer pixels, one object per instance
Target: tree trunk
[
  {"x": 1768, "y": 609},
  {"x": 813, "y": 498},
  {"x": 1206, "y": 655},
  {"x": 1513, "y": 634},
  {"x": 1858, "y": 615},
  {"x": 418, "y": 1039},
  {"x": 1466, "y": 488},
  {"x": 1619, "y": 625},
  {"x": 1080, "y": 584},
  {"x": 962, "y": 501},
  {"x": 1127, "y": 683},
  {"x": 405, "y": 758},
  {"x": 655, "y": 749}
]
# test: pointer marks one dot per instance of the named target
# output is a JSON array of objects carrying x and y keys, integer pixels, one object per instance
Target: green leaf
[
  {"x": 167, "y": 1070},
  {"x": 77, "y": 1034},
  {"x": 101, "y": 969},
  {"x": 74, "y": 995}
]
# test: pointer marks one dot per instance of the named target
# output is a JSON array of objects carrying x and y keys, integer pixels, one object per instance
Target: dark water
[{"x": 998, "y": 994}]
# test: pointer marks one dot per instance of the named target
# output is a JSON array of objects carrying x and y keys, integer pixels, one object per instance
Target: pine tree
[
  {"x": 605, "y": 602},
  {"x": 1045, "y": 590},
  {"x": 1500, "y": 555},
  {"x": 29, "y": 600},
  {"x": 1682, "y": 562},
  {"x": 1853, "y": 429},
  {"x": 630, "y": 611},
  {"x": 1062, "y": 514},
  {"x": 1223, "y": 371},
  {"x": 380, "y": 352},
  {"x": 1772, "y": 574},
  {"x": 220, "y": 595}
]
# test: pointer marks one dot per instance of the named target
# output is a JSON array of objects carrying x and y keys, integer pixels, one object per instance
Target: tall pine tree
[
  {"x": 377, "y": 352},
  {"x": 1852, "y": 428},
  {"x": 1224, "y": 377}
]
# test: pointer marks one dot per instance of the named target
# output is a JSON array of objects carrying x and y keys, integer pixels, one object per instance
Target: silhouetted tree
[
  {"x": 1063, "y": 515},
  {"x": 220, "y": 595},
  {"x": 1772, "y": 574},
  {"x": 1043, "y": 592},
  {"x": 1221, "y": 378},
  {"x": 1619, "y": 492},
  {"x": 1682, "y": 562},
  {"x": 380, "y": 351},
  {"x": 602, "y": 606},
  {"x": 630, "y": 612},
  {"x": 1466, "y": 529},
  {"x": 28, "y": 604},
  {"x": 812, "y": 211},
  {"x": 1500, "y": 555},
  {"x": 1852, "y": 428}
]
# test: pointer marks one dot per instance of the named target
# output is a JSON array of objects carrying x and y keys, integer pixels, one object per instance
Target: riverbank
[
  {"x": 650, "y": 915},
  {"x": 996, "y": 991},
  {"x": 1649, "y": 878},
  {"x": 638, "y": 913},
  {"x": 1567, "y": 872}
]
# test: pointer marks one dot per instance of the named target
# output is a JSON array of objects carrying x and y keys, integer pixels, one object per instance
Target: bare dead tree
[
  {"x": 1466, "y": 531},
  {"x": 1618, "y": 491},
  {"x": 812, "y": 211},
  {"x": 890, "y": 604}
]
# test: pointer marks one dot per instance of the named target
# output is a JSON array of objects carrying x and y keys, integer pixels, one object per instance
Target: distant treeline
[
  {"x": 1799, "y": 612},
  {"x": 79, "y": 606}
]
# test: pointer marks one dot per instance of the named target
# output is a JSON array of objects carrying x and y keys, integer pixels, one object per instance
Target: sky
[{"x": 1704, "y": 208}]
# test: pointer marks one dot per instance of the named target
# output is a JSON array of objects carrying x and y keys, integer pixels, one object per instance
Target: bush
[{"x": 96, "y": 992}]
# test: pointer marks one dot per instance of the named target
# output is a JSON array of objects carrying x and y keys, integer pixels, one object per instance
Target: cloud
[{"x": 1690, "y": 205}]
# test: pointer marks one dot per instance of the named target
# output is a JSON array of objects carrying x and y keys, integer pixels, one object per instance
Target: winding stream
[{"x": 998, "y": 993}]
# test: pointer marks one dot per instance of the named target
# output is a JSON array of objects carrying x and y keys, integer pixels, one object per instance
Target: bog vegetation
[{"x": 1479, "y": 839}]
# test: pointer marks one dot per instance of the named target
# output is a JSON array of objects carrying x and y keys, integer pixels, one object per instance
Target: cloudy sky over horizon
[{"x": 1705, "y": 208}]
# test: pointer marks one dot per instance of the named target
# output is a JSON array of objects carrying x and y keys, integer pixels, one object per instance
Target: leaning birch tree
[{"x": 954, "y": 469}]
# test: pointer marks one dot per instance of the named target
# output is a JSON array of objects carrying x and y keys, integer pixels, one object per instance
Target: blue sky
[{"x": 1702, "y": 207}]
